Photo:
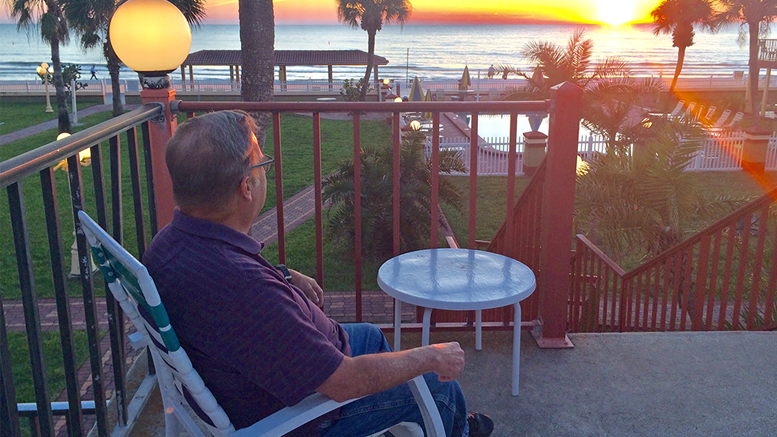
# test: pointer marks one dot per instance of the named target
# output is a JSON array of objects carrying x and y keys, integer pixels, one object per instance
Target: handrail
[
  {"x": 724, "y": 222},
  {"x": 479, "y": 107},
  {"x": 601, "y": 255},
  {"x": 17, "y": 168}
]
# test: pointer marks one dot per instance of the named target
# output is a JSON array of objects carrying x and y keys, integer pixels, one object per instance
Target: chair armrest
[
  {"x": 292, "y": 417},
  {"x": 137, "y": 341}
]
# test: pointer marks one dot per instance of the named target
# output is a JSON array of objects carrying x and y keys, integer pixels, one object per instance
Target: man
[
  {"x": 254, "y": 331},
  {"x": 491, "y": 71},
  {"x": 93, "y": 70}
]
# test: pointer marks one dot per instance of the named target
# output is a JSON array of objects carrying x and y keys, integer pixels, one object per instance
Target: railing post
[
  {"x": 558, "y": 199},
  {"x": 160, "y": 131}
]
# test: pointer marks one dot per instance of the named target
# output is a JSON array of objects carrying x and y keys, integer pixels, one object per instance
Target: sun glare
[{"x": 616, "y": 12}]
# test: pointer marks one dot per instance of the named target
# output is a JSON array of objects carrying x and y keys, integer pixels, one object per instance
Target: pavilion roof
[{"x": 287, "y": 57}]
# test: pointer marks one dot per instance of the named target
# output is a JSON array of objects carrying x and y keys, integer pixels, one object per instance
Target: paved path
[{"x": 52, "y": 124}]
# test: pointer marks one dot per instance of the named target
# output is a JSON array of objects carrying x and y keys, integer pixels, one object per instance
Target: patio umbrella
[
  {"x": 416, "y": 92},
  {"x": 428, "y": 98},
  {"x": 535, "y": 118},
  {"x": 465, "y": 81}
]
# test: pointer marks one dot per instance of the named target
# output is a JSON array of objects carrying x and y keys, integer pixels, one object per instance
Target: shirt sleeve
[{"x": 275, "y": 343}]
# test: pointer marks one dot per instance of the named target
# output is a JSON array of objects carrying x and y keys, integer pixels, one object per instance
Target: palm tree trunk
[
  {"x": 114, "y": 63},
  {"x": 753, "y": 70},
  {"x": 678, "y": 68},
  {"x": 63, "y": 118},
  {"x": 370, "y": 53},
  {"x": 257, "y": 47}
]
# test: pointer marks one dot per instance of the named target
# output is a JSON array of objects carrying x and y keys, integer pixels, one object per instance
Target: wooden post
[
  {"x": 331, "y": 76},
  {"x": 191, "y": 73},
  {"x": 160, "y": 131},
  {"x": 754, "y": 150},
  {"x": 558, "y": 198},
  {"x": 533, "y": 151},
  {"x": 183, "y": 75},
  {"x": 766, "y": 90}
]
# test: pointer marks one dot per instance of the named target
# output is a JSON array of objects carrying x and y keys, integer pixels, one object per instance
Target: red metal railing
[
  {"x": 724, "y": 277},
  {"x": 316, "y": 108}
]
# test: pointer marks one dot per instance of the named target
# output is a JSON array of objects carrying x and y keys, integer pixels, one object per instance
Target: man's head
[{"x": 210, "y": 158}]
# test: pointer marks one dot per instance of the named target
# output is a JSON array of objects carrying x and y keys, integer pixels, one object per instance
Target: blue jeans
[{"x": 379, "y": 411}]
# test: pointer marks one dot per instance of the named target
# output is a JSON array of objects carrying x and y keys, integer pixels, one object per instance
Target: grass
[{"x": 17, "y": 115}]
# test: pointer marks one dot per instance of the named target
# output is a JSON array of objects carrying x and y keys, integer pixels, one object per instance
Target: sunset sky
[{"x": 457, "y": 11}]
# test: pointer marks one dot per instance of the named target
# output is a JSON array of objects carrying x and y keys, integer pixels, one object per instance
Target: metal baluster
[
  {"x": 87, "y": 286},
  {"x": 115, "y": 316},
  {"x": 21, "y": 238},
  {"x": 149, "y": 181},
  {"x": 49, "y": 190},
  {"x": 137, "y": 190}
]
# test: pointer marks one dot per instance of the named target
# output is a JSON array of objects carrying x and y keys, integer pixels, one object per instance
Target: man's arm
[
  {"x": 309, "y": 286},
  {"x": 373, "y": 373}
]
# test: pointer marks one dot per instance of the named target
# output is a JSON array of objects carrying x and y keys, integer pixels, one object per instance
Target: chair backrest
[
  {"x": 710, "y": 113},
  {"x": 689, "y": 109},
  {"x": 722, "y": 118},
  {"x": 132, "y": 286},
  {"x": 737, "y": 118},
  {"x": 676, "y": 111}
]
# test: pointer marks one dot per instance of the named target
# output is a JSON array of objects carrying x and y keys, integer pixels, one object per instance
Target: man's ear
[{"x": 246, "y": 190}]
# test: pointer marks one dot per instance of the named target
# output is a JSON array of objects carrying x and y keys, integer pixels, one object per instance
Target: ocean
[{"x": 426, "y": 51}]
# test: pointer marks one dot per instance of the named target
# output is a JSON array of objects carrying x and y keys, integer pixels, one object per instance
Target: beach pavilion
[{"x": 283, "y": 59}]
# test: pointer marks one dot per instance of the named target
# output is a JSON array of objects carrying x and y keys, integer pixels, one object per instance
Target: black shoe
[{"x": 480, "y": 425}]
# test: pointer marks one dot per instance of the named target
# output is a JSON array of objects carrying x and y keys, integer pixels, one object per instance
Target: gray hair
[{"x": 208, "y": 156}]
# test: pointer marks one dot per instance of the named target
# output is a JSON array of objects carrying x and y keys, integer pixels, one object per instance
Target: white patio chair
[
  {"x": 709, "y": 114},
  {"x": 180, "y": 384},
  {"x": 676, "y": 111},
  {"x": 735, "y": 121},
  {"x": 689, "y": 110},
  {"x": 722, "y": 119}
]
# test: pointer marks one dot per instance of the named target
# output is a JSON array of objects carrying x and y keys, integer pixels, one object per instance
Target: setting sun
[{"x": 616, "y": 12}]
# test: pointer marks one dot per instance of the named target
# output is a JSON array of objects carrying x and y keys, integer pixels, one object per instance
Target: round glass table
[{"x": 458, "y": 279}]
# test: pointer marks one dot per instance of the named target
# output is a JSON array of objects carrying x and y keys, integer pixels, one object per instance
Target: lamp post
[
  {"x": 153, "y": 38},
  {"x": 45, "y": 71},
  {"x": 84, "y": 158}
]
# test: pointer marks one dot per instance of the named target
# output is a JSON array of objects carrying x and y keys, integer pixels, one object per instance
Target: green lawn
[{"x": 15, "y": 116}]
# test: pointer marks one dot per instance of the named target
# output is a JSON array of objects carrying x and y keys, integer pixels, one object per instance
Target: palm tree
[
  {"x": 678, "y": 18},
  {"x": 370, "y": 15},
  {"x": 610, "y": 95},
  {"x": 257, "y": 47},
  {"x": 53, "y": 29},
  {"x": 756, "y": 15},
  {"x": 90, "y": 20},
  {"x": 377, "y": 197}
]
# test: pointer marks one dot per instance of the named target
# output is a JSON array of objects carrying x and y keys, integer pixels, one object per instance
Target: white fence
[
  {"x": 722, "y": 152},
  {"x": 482, "y": 86},
  {"x": 492, "y": 156}
]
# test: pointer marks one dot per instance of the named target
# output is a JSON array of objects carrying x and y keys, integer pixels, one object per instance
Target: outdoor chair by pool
[
  {"x": 676, "y": 111},
  {"x": 722, "y": 120},
  {"x": 180, "y": 384},
  {"x": 735, "y": 121}
]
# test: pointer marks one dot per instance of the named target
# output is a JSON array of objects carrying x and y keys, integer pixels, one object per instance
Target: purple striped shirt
[{"x": 256, "y": 340}]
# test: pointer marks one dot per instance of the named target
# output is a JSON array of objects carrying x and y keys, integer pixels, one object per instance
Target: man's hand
[
  {"x": 449, "y": 360},
  {"x": 309, "y": 286}
]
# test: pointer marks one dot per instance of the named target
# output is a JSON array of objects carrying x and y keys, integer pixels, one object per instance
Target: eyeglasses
[{"x": 267, "y": 164}]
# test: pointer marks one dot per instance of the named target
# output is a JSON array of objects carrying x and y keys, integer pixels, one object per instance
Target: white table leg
[
  {"x": 516, "y": 347},
  {"x": 478, "y": 330},
  {"x": 397, "y": 325},
  {"x": 427, "y": 326}
]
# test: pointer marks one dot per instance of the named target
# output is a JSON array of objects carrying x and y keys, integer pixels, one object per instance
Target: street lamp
[
  {"x": 151, "y": 37},
  {"x": 85, "y": 158},
  {"x": 45, "y": 71}
]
